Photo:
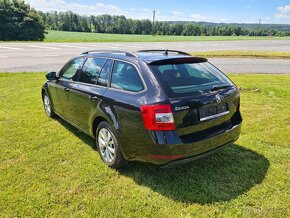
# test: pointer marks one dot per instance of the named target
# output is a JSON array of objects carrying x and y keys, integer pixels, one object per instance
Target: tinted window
[
  {"x": 70, "y": 69},
  {"x": 103, "y": 76},
  {"x": 189, "y": 78},
  {"x": 126, "y": 77},
  {"x": 91, "y": 70}
]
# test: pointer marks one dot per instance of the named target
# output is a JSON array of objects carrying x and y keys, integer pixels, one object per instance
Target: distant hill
[{"x": 278, "y": 27}]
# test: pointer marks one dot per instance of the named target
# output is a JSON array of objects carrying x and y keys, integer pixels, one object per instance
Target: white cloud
[
  {"x": 198, "y": 17},
  {"x": 223, "y": 20},
  {"x": 101, "y": 8},
  {"x": 94, "y": 9},
  {"x": 248, "y": 21},
  {"x": 61, "y": 5},
  {"x": 283, "y": 12},
  {"x": 281, "y": 16},
  {"x": 177, "y": 13},
  {"x": 284, "y": 9}
]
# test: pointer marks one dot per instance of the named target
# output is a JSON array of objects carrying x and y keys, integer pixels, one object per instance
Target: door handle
[
  {"x": 66, "y": 89},
  {"x": 93, "y": 98}
]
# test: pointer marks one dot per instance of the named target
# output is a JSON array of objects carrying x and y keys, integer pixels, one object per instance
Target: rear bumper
[
  {"x": 196, "y": 157},
  {"x": 167, "y": 155}
]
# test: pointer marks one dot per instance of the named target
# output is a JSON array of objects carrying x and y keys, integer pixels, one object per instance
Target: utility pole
[
  {"x": 259, "y": 24},
  {"x": 153, "y": 22}
]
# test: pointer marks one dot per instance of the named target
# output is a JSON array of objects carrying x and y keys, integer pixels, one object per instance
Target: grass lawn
[
  {"x": 62, "y": 36},
  {"x": 48, "y": 168},
  {"x": 244, "y": 54}
]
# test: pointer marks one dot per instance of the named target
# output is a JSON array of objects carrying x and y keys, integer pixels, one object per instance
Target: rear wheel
[
  {"x": 108, "y": 147},
  {"x": 47, "y": 106}
]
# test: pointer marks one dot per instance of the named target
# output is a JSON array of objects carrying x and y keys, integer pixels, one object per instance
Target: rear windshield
[{"x": 189, "y": 78}]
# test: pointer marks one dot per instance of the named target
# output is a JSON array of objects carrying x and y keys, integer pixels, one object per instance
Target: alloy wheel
[
  {"x": 47, "y": 106},
  {"x": 106, "y": 145}
]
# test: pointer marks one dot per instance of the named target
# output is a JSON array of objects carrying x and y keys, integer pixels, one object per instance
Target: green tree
[
  {"x": 190, "y": 29},
  {"x": 18, "y": 21},
  {"x": 69, "y": 21},
  {"x": 136, "y": 27},
  {"x": 177, "y": 29},
  {"x": 84, "y": 24}
]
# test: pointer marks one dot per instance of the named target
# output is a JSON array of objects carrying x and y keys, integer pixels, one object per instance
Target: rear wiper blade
[{"x": 214, "y": 88}]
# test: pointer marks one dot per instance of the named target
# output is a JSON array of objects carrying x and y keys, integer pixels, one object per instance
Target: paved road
[{"x": 15, "y": 57}]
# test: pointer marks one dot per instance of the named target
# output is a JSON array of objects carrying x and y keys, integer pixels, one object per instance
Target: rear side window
[
  {"x": 70, "y": 69},
  {"x": 126, "y": 77},
  {"x": 91, "y": 70},
  {"x": 189, "y": 78},
  {"x": 103, "y": 76}
]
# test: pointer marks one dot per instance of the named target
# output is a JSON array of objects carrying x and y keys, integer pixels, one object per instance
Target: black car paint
[{"x": 85, "y": 105}]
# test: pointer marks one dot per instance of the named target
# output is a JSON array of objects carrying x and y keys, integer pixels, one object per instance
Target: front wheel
[
  {"x": 47, "y": 106},
  {"x": 108, "y": 147}
]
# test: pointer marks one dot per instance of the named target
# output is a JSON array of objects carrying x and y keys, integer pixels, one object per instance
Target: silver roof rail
[
  {"x": 166, "y": 51},
  {"x": 129, "y": 54}
]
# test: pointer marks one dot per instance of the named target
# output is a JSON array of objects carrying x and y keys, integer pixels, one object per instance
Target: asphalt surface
[{"x": 39, "y": 57}]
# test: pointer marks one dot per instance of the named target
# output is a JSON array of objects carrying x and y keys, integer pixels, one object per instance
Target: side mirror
[{"x": 51, "y": 76}]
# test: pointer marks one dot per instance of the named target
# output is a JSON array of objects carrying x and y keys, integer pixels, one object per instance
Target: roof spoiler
[{"x": 178, "y": 60}]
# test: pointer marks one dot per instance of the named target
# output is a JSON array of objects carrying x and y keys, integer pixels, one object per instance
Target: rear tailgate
[
  {"x": 206, "y": 112},
  {"x": 204, "y": 101}
]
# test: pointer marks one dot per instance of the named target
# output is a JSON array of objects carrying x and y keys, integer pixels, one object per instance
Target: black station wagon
[{"x": 156, "y": 106}]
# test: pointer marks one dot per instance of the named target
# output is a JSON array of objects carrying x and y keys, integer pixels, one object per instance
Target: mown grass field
[
  {"x": 244, "y": 54},
  {"x": 48, "y": 168},
  {"x": 62, "y": 36}
]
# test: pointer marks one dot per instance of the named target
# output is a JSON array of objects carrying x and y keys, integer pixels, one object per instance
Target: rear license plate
[{"x": 210, "y": 112}]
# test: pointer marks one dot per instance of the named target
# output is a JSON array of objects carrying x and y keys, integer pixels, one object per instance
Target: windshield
[{"x": 189, "y": 78}]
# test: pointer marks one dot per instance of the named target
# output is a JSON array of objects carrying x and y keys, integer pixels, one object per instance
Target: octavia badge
[{"x": 218, "y": 98}]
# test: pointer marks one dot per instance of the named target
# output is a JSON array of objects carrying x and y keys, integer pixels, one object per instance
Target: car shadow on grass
[
  {"x": 84, "y": 137},
  {"x": 219, "y": 177}
]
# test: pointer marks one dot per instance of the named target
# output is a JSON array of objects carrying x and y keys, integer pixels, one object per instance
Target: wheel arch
[
  {"x": 42, "y": 92},
  {"x": 96, "y": 122},
  {"x": 44, "y": 89}
]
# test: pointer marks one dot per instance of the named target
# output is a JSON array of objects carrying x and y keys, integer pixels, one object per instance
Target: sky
[{"x": 227, "y": 11}]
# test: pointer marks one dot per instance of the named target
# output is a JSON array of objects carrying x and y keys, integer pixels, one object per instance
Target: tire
[
  {"x": 108, "y": 147},
  {"x": 47, "y": 106}
]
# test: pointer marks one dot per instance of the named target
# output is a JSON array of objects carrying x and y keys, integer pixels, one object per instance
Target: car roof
[
  {"x": 159, "y": 58},
  {"x": 148, "y": 56}
]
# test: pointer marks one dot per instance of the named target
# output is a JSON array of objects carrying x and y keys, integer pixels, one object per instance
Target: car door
[
  {"x": 123, "y": 104},
  {"x": 86, "y": 93},
  {"x": 59, "y": 89}
]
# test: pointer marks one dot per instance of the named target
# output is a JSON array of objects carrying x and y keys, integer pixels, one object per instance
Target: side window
[
  {"x": 91, "y": 69},
  {"x": 103, "y": 76},
  {"x": 69, "y": 70},
  {"x": 126, "y": 77}
]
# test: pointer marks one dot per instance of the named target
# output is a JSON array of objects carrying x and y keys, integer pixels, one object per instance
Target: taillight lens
[{"x": 157, "y": 117}]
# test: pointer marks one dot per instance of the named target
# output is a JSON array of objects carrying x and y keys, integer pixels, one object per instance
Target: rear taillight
[{"x": 158, "y": 117}]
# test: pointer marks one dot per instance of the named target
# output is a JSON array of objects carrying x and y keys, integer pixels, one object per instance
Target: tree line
[
  {"x": 18, "y": 21},
  {"x": 69, "y": 21}
]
